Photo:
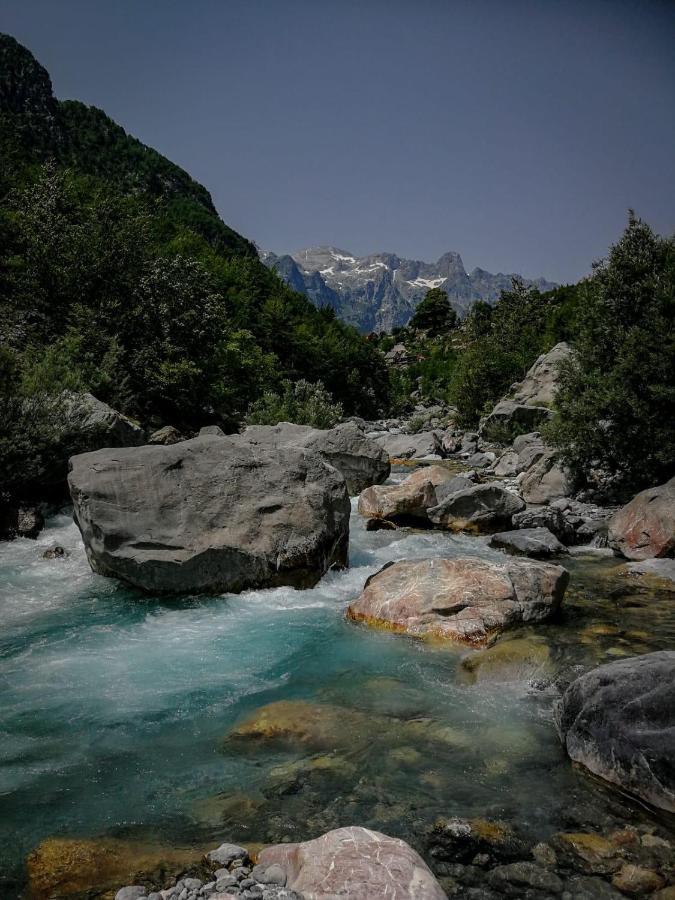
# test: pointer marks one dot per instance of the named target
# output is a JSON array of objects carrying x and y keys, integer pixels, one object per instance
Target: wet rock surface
[
  {"x": 618, "y": 721},
  {"x": 208, "y": 514},
  {"x": 466, "y": 600}
]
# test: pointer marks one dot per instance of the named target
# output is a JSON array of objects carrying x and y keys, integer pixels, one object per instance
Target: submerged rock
[
  {"x": 645, "y": 527},
  {"x": 60, "y": 867},
  {"x": 361, "y": 460},
  {"x": 209, "y": 514},
  {"x": 520, "y": 659},
  {"x": 354, "y": 863},
  {"x": 467, "y": 600},
  {"x": 537, "y": 543},
  {"x": 481, "y": 507},
  {"x": 619, "y": 722}
]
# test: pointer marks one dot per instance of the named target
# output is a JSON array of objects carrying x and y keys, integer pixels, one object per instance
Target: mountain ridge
[{"x": 381, "y": 291}]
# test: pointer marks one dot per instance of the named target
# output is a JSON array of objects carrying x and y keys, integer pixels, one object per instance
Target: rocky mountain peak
[{"x": 381, "y": 291}]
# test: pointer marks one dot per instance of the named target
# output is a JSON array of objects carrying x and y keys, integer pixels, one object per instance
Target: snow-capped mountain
[{"x": 381, "y": 291}]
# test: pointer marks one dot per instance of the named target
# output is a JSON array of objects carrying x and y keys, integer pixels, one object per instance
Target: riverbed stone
[
  {"x": 133, "y": 892},
  {"x": 209, "y": 514},
  {"x": 550, "y": 517},
  {"x": 361, "y": 460},
  {"x": 411, "y": 446},
  {"x": 356, "y": 863},
  {"x": 645, "y": 527},
  {"x": 537, "y": 543},
  {"x": 516, "y": 878},
  {"x": 546, "y": 480},
  {"x": 459, "y": 840},
  {"x": 408, "y": 500},
  {"x": 468, "y": 600},
  {"x": 226, "y": 854},
  {"x": 518, "y": 659},
  {"x": 481, "y": 507},
  {"x": 618, "y": 721},
  {"x": 637, "y": 880}
]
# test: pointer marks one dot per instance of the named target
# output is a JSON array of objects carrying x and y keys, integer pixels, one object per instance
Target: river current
[{"x": 114, "y": 707}]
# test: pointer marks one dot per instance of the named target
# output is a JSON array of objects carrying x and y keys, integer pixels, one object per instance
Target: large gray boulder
[
  {"x": 355, "y": 864},
  {"x": 645, "y": 527},
  {"x": 539, "y": 386},
  {"x": 549, "y": 517},
  {"x": 481, "y": 507},
  {"x": 538, "y": 543},
  {"x": 210, "y": 514},
  {"x": 509, "y": 418},
  {"x": 546, "y": 480},
  {"x": 528, "y": 403},
  {"x": 468, "y": 600},
  {"x": 618, "y": 721},
  {"x": 361, "y": 460},
  {"x": 408, "y": 500},
  {"x": 98, "y": 424},
  {"x": 411, "y": 446}
]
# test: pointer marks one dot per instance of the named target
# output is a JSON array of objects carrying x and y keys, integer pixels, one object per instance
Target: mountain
[{"x": 381, "y": 291}]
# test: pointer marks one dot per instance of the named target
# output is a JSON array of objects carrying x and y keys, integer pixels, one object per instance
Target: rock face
[
  {"x": 539, "y": 386},
  {"x": 408, "y": 500},
  {"x": 528, "y": 403},
  {"x": 619, "y": 722},
  {"x": 482, "y": 507},
  {"x": 538, "y": 543},
  {"x": 378, "y": 292},
  {"x": 361, "y": 461},
  {"x": 411, "y": 446},
  {"x": 107, "y": 427},
  {"x": 510, "y": 418},
  {"x": 546, "y": 480},
  {"x": 467, "y": 600},
  {"x": 645, "y": 527},
  {"x": 210, "y": 514},
  {"x": 354, "y": 863}
]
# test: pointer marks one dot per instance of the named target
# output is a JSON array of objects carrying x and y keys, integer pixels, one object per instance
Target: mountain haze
[{"x": 381, "y": 291}]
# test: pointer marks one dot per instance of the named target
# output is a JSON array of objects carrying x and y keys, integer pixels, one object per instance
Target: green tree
[
  {"x": 434, "y": 314},
  {"x": 615, "y": 407}
]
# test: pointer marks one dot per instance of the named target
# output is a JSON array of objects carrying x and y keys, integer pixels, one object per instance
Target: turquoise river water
[{"x": 114, "y": 708}]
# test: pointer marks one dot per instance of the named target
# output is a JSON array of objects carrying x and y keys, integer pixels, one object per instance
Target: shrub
[{"x": 303, "y": 403}]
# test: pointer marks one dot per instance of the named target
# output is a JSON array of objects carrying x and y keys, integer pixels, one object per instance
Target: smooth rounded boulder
[
  {"x": 645, "y": 527},
  {"x": 359, "y": 459},
  {"x": 481, "y": 507},
  {"x": 408, "y": 500},
  {"x": 354, "y": 863},
  {"x": 210, "y": 514},
  {"x": 468, "y": 600},
  {"x": 618, "y": 721}
]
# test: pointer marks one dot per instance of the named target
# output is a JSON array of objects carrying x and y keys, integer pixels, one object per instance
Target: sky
[{"x": 516, "y": 132}]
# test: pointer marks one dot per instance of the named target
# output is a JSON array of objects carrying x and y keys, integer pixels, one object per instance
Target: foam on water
[{"x": 115, "y": 705}]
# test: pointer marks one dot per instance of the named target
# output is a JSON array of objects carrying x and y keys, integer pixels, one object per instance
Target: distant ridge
[{"x": 380, "y": 291}]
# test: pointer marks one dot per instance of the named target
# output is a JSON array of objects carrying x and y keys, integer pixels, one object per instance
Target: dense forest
[{"x": 118, "y": 277}]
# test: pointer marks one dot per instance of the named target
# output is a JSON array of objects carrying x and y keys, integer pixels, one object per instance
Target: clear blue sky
[{"x": 516, "y": 132}]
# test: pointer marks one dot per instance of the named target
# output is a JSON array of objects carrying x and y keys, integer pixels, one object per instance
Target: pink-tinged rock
[
  {"x": 645, "y": 527},
  {"x": 467, "y": 600},
  {"x": 355, "y": 864},
  {"x": 409, "y": 499}
]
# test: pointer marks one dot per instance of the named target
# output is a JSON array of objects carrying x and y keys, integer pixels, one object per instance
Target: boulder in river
[
  {"x": 361, "y": 460},
  {"x": 354, "y": 863},
  {"x": 210, "y": 514},
  {"x": 537, "y": 543},
  {"x": 468, "y": 600},
  {"x": 481, "y": 507},
  {"x": 546, "y": 480},
  {"x": 408, "y": 500},
  {"x": 618, "y": 721},
  {"x": 411, "y": 446},
  {"x": 98, "y": 424},
  {"x": 645, "y": 527},
  {"x": 550, "y": 517}
]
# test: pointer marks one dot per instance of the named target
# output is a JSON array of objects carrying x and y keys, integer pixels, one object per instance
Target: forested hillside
[{"x": 117, "y": 276}]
